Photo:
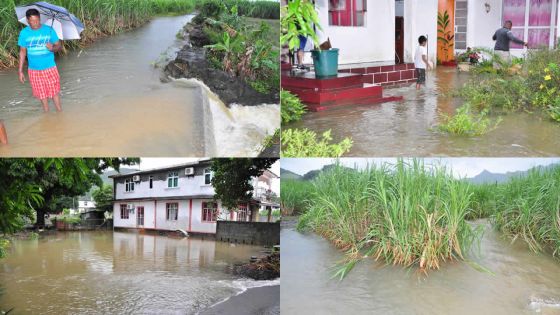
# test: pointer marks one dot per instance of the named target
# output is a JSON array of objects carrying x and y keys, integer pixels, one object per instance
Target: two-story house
[{"x": 172, "y": 198}]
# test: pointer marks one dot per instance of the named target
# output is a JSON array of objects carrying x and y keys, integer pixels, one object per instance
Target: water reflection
[{"x": 106, "y": 272}]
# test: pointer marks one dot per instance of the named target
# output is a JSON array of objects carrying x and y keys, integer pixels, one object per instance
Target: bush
[
  {"x": 4, "y": 245},
  {"x": 304, "y": 143},
  {"x": 404, "y": 214},
  {"x": 292, "y": 109},
  {"x": 294, "y": 196},
  {"x": 465, "y": 122},
  {"x": 212, "y": 9}
]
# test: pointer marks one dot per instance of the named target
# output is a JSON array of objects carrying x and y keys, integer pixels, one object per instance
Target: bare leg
[
  {"x": 300, "y": 57},
  {"x": 45, "y": 103},
  {"x": 418, "y": 86},
  {"x": 56, "y": 100}
]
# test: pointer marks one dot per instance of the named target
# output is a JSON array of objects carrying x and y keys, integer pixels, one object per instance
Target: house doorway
[
  {"x": 140, "y": 216},
  {"x": 399, "y": 31}
]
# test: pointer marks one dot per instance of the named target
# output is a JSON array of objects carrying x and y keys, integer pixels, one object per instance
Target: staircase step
[{"x": 307, "y": 80}]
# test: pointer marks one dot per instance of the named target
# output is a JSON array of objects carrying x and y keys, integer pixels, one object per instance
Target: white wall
[
  {"x": 188, "y": 186},
  {"x": 373, "y": 42},
  {"x": 481, "y": 25},
  {"x": 420, "y": 18},
  {"x": 160, "y": 221},
  {"x": 131, "y": 221}
]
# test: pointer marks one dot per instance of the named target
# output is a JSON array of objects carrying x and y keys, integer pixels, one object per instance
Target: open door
[{"x": 399, "y": 39}]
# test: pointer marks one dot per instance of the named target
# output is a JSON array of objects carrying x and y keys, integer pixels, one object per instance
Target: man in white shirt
[{"x": 421, "y": 61}]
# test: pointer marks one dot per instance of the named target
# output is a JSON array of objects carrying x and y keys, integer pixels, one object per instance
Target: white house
[
  {"x": 385, "y": 32},
  {"x": 172, "y": 198}
]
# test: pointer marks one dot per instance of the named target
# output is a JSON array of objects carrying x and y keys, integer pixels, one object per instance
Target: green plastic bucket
[{"x": 325, "y": 62}]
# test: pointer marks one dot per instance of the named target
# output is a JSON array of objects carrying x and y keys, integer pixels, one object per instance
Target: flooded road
[
  {"x": 120, "y": 273},
  {"x": 115, "y": 105},
  {"x": 523, "y": 282},
  {"x": 406, "y": 128}
]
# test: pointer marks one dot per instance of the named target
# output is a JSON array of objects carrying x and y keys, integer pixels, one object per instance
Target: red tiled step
[
  {"x": 311, "y": 96},
  {"x": 307, "y": 80}
]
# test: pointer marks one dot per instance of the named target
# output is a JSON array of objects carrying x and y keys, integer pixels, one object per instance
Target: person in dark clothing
[{"x": 503, "y": 38}]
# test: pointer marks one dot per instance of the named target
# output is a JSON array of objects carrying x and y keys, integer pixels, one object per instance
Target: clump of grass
[
  {"x": 291, "y": 106},
  {"x": 466, "y": 122},
  {"x": 484, "y": 204},
  {"x": 305, "y": 143},
  {"x": 403, "y": 215},
  {"x": 294, "y": 196},
  {"x": 528, "y": 208}
]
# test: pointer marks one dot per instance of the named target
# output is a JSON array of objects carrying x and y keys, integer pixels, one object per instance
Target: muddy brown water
[
  {"x": 523, "y": 282},
  {"x": 120, "y": 273},
  {"x": 406, "y": 128},
  {"x": 115, "y": 104}
]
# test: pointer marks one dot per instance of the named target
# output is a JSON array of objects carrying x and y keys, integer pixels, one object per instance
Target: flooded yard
[
  {"x": 522, "y": 282},
  {"x": 406, "y": 128},
  {"x": 121, "y": 273}
]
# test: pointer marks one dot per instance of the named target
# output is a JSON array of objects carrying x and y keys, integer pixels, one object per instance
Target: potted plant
[{"x": 297, "y": 19}]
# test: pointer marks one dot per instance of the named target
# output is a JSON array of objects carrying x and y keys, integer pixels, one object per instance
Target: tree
[
  {"x": 232, "y": 178},
  {"x": 103, "y": 198},
  {"x": 40, "y": 184}
]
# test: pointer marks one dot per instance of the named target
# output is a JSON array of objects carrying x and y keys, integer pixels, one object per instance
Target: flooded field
[
  {"x": 114, "y": 104},
  {"x": 120, "y": 273},
  {"x": 522, "y": 282},
  {"x": 406, "y": 128}
]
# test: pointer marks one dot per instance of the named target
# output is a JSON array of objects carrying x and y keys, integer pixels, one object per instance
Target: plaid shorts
[
  {"x": 44, "y": 83},
  {"x": 420, "y": 76}
]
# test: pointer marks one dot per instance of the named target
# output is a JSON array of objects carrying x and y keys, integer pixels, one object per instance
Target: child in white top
[{"x": 421, "y": 61}]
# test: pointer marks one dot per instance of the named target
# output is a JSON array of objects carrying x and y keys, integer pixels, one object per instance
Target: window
[
  {"x": 124, "y": 211},
  {"x": 532, "y": 21},
  {"x": 151, "y": 182},
  {"x": 173, "y": 179},
  {"x": 207, "y": 176},
  {"x": 347, "y": 12},
  {"x": 129, "y": 185},
  {"x": 172, "y": 211},
  {"x": 209, "y": 211},
  {"x": 242, "y": 213}
]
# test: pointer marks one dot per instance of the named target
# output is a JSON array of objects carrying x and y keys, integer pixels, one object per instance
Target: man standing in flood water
[
  {"x": 39, "y": 43},
  {"x": 503, "y": 37}
]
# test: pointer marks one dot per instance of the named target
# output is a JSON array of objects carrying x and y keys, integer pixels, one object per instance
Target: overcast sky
[
  {"x": 462, "y": 167},
  {"x": 151, "y": 163}
]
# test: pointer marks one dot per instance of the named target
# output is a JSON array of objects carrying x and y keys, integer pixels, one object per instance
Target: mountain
[
  {"x": 122, "y": 170},
  {"x": 489, "y": 177},
  {"x": 285, "y": 174}
]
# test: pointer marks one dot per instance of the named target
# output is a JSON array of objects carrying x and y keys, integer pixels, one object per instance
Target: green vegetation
[
  {"x": 408, "y": 215},
  {"x": 465, "y": 122},
  {"x": 304, "y": 143},
  {"x": 528, "y": 208},
  {"x": 298, "y": 18},
  {"x": 231, "y": 178},
  {"x": 103, "y": 198},
  {"x": 240, "y": 46},
  {"x": 295, "y": 195},
  {"x": 526, "y": 85},
  {"x": 292, "y": 109},
  {"x": 37, "y": 186},
  {"x": 100, "y": 18},
  {"x": 411, "y": 215}
]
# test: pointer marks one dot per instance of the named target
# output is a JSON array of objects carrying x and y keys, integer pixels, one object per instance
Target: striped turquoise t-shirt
[{"x": 38, "y": 56}]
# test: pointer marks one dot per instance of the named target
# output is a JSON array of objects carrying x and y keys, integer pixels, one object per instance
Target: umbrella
[{"x": 65, "y": 24}]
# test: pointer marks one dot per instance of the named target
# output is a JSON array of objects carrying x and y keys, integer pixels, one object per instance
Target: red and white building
[{"x": 180, "y": 197}]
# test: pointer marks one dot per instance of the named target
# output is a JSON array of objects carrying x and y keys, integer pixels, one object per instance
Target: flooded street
[
  {"x": 120, "y": 273},
  {"x": 523, "y": 282},
  {"x": 406, "y": 128},
  {"x": 114, "y": 104}
]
